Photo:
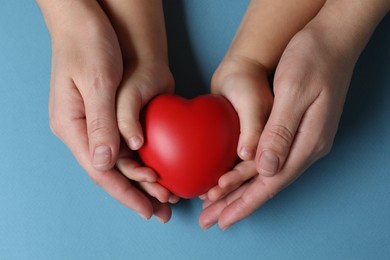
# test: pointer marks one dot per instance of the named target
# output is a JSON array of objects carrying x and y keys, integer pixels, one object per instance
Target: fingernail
[
  {"x": 207, "y": 226},
  {"x": 160, "y": 219},
  {"x": 143, "y": 216},
  {"x": 224, "y": 228},
  {"x": 269, "y": 163},
  {"x": 173, "y": 199},
  {"x": 102, "y": 156},
  {"x": 135, "y": 142},
  {"x": 246, "y": 153},
  {"x": 203, "y": 196}
]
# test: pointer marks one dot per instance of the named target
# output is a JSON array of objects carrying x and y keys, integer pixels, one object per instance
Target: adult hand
[
  {"x": 310, "y": 86},
  {"x": 311, "y": 82},
  {"x": 242, "y": 77},
  {"x": 86, "y": 72}
]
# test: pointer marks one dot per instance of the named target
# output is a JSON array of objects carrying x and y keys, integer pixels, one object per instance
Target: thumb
[
  {"x": 278, "y": 135},
  {"x": 129, "y": 104},
  {"x": 137, "y": 88},
  {"x": 252, "y": 120},
  {"x": 103, "y": 136}
]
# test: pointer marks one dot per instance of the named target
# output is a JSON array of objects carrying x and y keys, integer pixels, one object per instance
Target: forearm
[
  {"x": 268, "y": 26},
  {"x": 68, "y": 17},
  {"x": 140, "y": 28},
  {"x": 348, "y": 25}
]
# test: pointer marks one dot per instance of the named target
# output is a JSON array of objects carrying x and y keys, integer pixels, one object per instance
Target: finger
[
  {"x": 252, "y": 99},
  {"x": 162, "y": 211},
  {"x": 132, "y": 169},
  {"x": 203, "y": 196},
  {"x": 216, "y": 193},
  {"x": 252, "y": 120},
  {"x": 173, "y": 199},
  {"x": 279, "y": 132},
  {"x": 233, "y": 179},
  {"x": 103, "y": 135},
  {"x": 155, "y": 190},
  {"x": 129, "y": 104},
  {"x": 206, "y": 203},
  {"x": 241, "y": 173},
  {"x": 254, "y": 196},
  {"x": 212, "y": 210}
]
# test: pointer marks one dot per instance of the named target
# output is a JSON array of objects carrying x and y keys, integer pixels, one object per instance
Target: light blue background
[{"x": 49, "y": 209}]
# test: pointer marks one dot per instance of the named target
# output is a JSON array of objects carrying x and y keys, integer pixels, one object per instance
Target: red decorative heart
[{"x": 189, "y": 143}]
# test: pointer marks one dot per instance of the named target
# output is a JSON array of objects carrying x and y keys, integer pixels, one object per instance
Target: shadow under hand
[
  {"x": 182, "y": 60},
  {"x": 366, "y": 100}
]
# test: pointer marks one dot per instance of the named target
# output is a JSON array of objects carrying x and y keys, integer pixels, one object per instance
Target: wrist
[
  {"x": 268, "y": 26},
  {"x": 347, "y": 26},
  {"x": 66, "y": 14},
  {"x": 140, "y": 28}
]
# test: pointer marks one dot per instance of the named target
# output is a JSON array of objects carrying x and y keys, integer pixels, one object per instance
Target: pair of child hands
[{"x": 110, "y": 58}]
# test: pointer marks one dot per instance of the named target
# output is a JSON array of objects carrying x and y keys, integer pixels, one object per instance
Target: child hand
[
  {"x": 140, "y": 29},
  {"x": 141, "y": 82},
  {"x": 245, "y": 84}
]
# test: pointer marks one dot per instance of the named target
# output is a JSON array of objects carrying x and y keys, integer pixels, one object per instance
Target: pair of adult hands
[{"x": 95, "y": 98}]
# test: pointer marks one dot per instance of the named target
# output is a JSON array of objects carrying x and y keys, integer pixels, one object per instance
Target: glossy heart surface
[{"x": 189, "y": 143}]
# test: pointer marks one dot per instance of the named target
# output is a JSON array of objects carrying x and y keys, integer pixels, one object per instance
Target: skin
[
  {"x": 100, "y": 66},
  {"x": 242, "y": 77},
  {"x": 310, "y": 85},
  {"x": 142, "y": 37},
  {"x": 107, "y": 66}
]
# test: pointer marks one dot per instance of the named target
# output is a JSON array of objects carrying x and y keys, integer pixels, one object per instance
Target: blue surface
[{"x": 49, "y": 209}]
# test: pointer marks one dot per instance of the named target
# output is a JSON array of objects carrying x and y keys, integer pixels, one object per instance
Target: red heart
[{"x": 189, "y": 143}]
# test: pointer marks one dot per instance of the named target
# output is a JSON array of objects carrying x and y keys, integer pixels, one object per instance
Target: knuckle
[
  {"x": 252, "y": 133},
  {"x": 289, "y": 85},
  {"x": 100, "y": 83},
  {"x": 323, "y": 147},
  {"x": 100, "y": 80},
  {"x": 125, "y": 125},
  {"x": 55, "y": 125},
  {"x": 280, "y": 135},
  {"x": 282, "y": 82},
  {"x": 229, "y": 75},
  {"x": 99, "y": 128},
  {"x": 233, "y": 80}
]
